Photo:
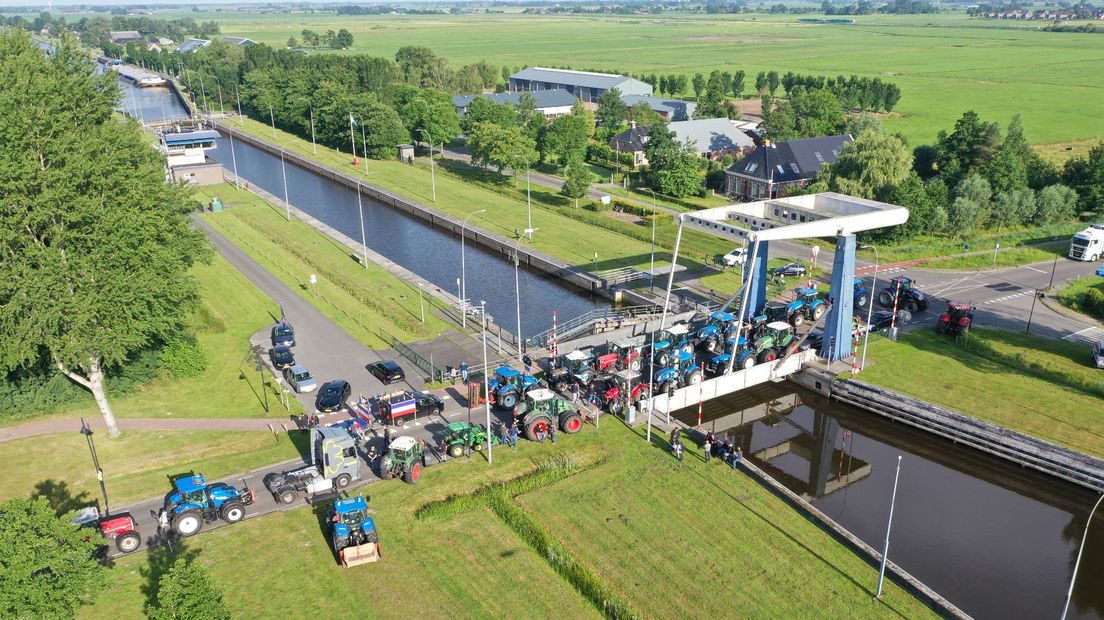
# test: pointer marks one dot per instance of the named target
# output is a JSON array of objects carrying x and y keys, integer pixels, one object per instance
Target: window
[
  {"x": 819, "y": 158},
  {"x": 752, "y": 166},
  {"x": 780, "y": 170},
  {"x": 794, "y": 167}
]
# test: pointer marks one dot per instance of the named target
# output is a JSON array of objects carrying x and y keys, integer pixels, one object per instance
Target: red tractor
[
  {"x": 619, "y": 355},
  {"x": 120, "y": 529},
  {"x": 612, "y": 390},
  {"x": 956, "y": 320}
]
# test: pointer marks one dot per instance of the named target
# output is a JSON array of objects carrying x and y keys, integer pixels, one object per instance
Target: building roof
[
  {"x": 791, "y": 160},
  {"x": 588, "y": 79},
  {"x": 191, "y": 45},
  {"x": 190, "y": 137},
  {"x": 553, "y": 98},
  {"x": 632, "y": 140},
  {"x": 675, "y": 109},
  {"x": 124, "y": 35},
  {"x": 239, "y": 41},
  {"x": 711, "y": 134}
]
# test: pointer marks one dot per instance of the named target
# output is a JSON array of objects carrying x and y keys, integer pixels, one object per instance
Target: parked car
[
  {"x": 735, "y": 257},
  {"x": 281, "y": 357},
  {"x": 300, "y": 379},
  {"x": 332, "y": 396},
  {"x": 428, "y": 404},
  {"x": 283, "y": 334},
  {"x": 387, "y": 371},
  {"x": 790, "y": 269},
  {"x": 1098, "y": 354}
]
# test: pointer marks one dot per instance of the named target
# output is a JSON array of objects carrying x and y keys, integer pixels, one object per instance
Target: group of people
[{"x": 726, "y": 450}]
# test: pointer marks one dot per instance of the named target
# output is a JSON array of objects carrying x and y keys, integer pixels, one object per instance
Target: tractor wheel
[
  {"x": 536, "y": 425},
  {"x": 688, "y": 348},
  {"x": 694, "y": 378},
  {"x": 768, "y": 356},
  {"x": 128, "y": 542},
  {"x": 232, "y": 512},
  {"x": 635, "y": 364},
  {"x": 911, "y": 306},
  {"x": 286, "y": 495},
  {"x": 903, "y": 316},
  {"x": 508, "y": 400},
  {"x": 940, "y": 326},
  {"x": 668, "y": 386},
  {"x": 885, "y": 299},
  {"x": 710, "y": 345},
  {"x": 571, "y": 424},
  {"x": 342, "y": 481},
  {"x": 748, "y": 362},
  {"x": 456, "y": 450},
  {"x": 387, "y": 474},
  {"x": 478, "y": 446},
  {"x": 818, "y": 312},
  {"x": 862, "y": 301},
  {"x": 561, "y": 386},
  {"x": 616, "y": 407},
  {"x": 187, "y": 523},
  {"x": 662, "y": 359},
  {"x": 797, "y": 319},
  {"x": 413, "y": 473}
]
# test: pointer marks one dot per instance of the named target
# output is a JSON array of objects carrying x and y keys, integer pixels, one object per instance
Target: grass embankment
[
  {"x": 136, "y": 465},
  {"x": 1036, "y": 386},
  {"x": 656, "y": 524},
  {"x": 726, "y": 282},
  {"x": 362, "y": 301},
  {"x": 1055, "y": 236},
  {"x": 1073, "y": 296},
  {"x": 690, "y": 203}
]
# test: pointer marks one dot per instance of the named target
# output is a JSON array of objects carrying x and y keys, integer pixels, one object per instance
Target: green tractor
[
  {"x": 403, "y": 460},
  {"x": 460, "y": 435},
  {"x": 776, "y": 341},
  {"x": 543, "y": 409}
]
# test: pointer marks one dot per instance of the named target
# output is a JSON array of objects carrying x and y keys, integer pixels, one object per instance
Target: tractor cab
[
  {"x": 772, "y": 311},
  {"x": 354, "y": 532},
  {"x": 506, "y": 384},
  {"x": 719, "y": 325},
  {"x": 570, "y": 368},
  {"x": 683, "y": 371},
  {"x": 675, "y": 337},
  {"x": 403, "y": 460},
  {"x": 543, "y": 408},
  {"x": 806, "y": 305},
  {"x": 717, "y": 365},
  {"x": 910, "y": 299},
  {"x": 621, "y": 354},
  {"x": 194, "y": 502},
  {"x": 622, "y": 386},
  {"x": 577, "y": 362},
  {"x": 459, "y": 435},
  {"x": 781, "y": 336}
]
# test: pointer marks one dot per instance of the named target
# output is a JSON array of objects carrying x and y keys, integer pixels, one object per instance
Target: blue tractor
[
  {"x": 806, "y": 306},
  {"x": 720, "y": 326},
  {"x": 862, "y": 296},
  {"x": 911, "y": 299},
  {"x": 354, "y": 532},
  {"x": 194, "y": 502},
  {"x": 508, "y": 385},
  {"x": 684, "y": 371},
  {"x": 673, "y": 339}
]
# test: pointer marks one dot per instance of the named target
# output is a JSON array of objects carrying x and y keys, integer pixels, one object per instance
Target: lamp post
[
  {"x": 529, "y": 202},
  {"x": 222, "y": 110},
  {"x": 272, "y": 119},
  {"x": 421, "y": 302},
  {"x": 283, "y": 170},
  {"x": 1076, "y": 564},
  {"x": 237, "y": 95},
  {"x": 363, "y": 238},
  {"x": 662, "y": 320},
  {"x": 203, "y": 90},
  {"x": 463, "y": 273},
  {"x": 870, "y": 300},
  {"x": 432, "y": 174},
  {"x": 87, "y": 432},
  {"x": 889, "y": 525},
  {"x": 486, "y": 379},
  {"x": 651, "y": 280},
  {"x": 517, "y": 286},
  {"x": 310, "y": 105}
]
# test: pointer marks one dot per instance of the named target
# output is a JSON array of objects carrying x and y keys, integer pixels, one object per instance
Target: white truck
[{"x": 1088, "y": 244}]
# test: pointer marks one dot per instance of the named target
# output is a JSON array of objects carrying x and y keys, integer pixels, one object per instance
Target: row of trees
[
  {"x": 342, "y": 39},
  {"x": 854, "y": 93}
]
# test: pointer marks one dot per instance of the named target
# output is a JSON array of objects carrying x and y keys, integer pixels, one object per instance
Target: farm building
[
  {"x": 710, "y": 137},
  {"x": 122, "y": 37},
  {"x": 242, "y": 41},
  {"x": 550, "y": 103},
  {"x": 768, "y": 171},
  {"x": 191, "y": 45},
  {"x": 669, "y": 109},
  {"x": 584, "y": 85}
]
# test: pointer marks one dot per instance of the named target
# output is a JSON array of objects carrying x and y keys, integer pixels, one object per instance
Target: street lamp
[
  {"x": 310, "y": 104},
  {"x": 222, "y": 110},
  {"x": 655, "y": 211},
  {"x": 529, "y": 202},
  {"x": 421, "y": 302},
  {"x": 363, "y": 239},
  {"x": 283, "y": 170},
  {"x": 517, "y": 286},
  {"x": 486, "y": 378},
  {"x": 463, "y": 273},
  {"x": 237, "y": 95},
  {"x": 662, "y": 320},
  {"x": 271, "y": 117},
  {"x": 432, "y": 175},
  {"x": 870, "y": 300},
  {"x": 87, "y": 432},
  {"x": 1077, "y": 563}
]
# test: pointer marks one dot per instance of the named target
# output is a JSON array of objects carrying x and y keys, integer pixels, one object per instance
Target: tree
[
  {"x": 738, "y": 83},
  {"x": 611, "y": 109},
  {"x": 1012, "y": 208},
  {"x": 681, "y": 83},
  {"x": 188, "y": 591},
  {"x": 1086, "y": 176},
  {"x": 310, "y": 38},
  {"x": 485, "y": 110},
  {"x": 565, "y": 137},
  {"x": 1056, "y": 203},
  {"x": 96, "y": 246},
  {"x": 528, "y": 118},
  {"x": 773, "y": 81},
  {"x": 863, "y": 122},
  {"x": 807, "y": 114},
  {"x": 501, "y": 147},
  {"x": 699, "y": 85},
  {"x": 761, "y": 82},
  {"x": 48, "y": 565},
  {"x": 344, "y": 39},
  {"x": 578, "y": 180},
  {"x": 643, "y": 114},
  {"x": 967, "y": 148},
  {"x": 430, "y": 115},
  {"x": 292, "y": 43},
  {"x": 383, "y": 129},
  {"x": 872, "y": 165},
  {"x": 971, "y": 204},
  {"x": 680, "y": 177},
  {"x": 1007, "y": 170}
]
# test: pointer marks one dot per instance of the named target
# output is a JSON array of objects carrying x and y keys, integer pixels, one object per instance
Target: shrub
[
  {"x": 183, "y": 356},
  {"x": 1093, "y": 303}
]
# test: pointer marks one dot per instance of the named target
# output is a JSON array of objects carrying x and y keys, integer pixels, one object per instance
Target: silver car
[
  {"x": 300, "y": 379},
  {"x": 1098, "y": 354}
]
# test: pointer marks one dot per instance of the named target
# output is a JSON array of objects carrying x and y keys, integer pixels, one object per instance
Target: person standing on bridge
[
  {"x": 707, "y": 448},
  {"x": 574, "y": 393}
]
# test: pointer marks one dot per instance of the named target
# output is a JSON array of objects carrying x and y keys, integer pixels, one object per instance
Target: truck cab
[
  {"x": 1088, "y": 245},
  {"x": 334, "y": 466}
]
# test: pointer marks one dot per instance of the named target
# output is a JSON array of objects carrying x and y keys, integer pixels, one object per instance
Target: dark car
[
  {"x": 332, "y": 396},
  {"x": 281, "y": 357},
  {"x": 283, "y": 334},
  {"x": 789, "y": 269},
  {"x": 428, "y": 404},
  {"x": 387, "y": 371}
]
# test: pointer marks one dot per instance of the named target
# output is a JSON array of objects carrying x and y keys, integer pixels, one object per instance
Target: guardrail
[{"x": 569, "y": 328}]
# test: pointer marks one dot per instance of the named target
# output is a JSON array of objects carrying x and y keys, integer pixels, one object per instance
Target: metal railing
[
  {"x": 613, "y": 277},
  {"x": 571, "y": 327}
]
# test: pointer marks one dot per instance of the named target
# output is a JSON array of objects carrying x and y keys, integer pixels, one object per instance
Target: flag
[{"x": 352, "y": 121}]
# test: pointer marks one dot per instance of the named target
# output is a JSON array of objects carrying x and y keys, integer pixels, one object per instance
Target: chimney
[
  {"x": 766, "y": 143},
  {"x": 632, "y": 124}
]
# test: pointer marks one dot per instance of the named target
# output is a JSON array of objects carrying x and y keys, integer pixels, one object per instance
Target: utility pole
[
  {"x": 87, "y": 432},
  {"x": 889, "y": 525}
]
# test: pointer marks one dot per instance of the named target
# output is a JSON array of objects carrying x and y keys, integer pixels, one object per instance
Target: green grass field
[
  {"x": 1073, "y": 295},
  {"x": 945, "y": 64},
  {"x": 360, "y": 300},
  {"x": 656, "y": 523},
  {"x": 1040, "y": 387}
]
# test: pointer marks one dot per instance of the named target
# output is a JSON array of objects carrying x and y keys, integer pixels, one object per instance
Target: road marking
[
  {"x": 1089, "y": 335},
  {"x": 1034, "y": 269}
]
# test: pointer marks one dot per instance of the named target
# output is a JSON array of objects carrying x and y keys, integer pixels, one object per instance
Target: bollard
[{"x": 274, "y": 434}]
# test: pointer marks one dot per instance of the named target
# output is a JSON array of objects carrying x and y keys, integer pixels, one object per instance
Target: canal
[
  {"x": 431, "y": 253},
  {"x": 997, "y": 540}
]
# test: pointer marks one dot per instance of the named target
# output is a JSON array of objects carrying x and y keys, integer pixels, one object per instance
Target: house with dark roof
[
  {"x": 242, "y": 41},
  {"x": 585, "y": 85},
  {"x": 632, "y": 141},
  {"x": 669, "y": 109},
  {"x": 773, "y": 168},
  {"x": 191, "y": 45},
  {"x": 122, "y": 37},
  {"x": 712, "y": 138},
  {"x": 550, "y": 103}
]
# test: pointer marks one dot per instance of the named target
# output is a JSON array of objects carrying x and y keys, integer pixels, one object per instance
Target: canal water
[
  {"x": 997, "y": 540},
  {"x": 431, "y": 253}
]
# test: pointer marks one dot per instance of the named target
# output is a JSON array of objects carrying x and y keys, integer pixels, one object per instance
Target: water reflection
[{"x": 997, "y": 540}]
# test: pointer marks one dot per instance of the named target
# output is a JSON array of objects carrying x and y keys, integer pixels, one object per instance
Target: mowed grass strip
[
  {"x": 136, "y": 465},
  {"x": 932, "y": 367},
  {"x": 360, "y": 300}
]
